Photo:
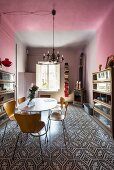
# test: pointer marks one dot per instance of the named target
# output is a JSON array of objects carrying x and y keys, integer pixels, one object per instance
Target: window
[{"x": 48, "y": 76}]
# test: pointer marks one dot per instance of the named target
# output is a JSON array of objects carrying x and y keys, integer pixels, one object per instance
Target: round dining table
[{"x": 38, "y": 105}]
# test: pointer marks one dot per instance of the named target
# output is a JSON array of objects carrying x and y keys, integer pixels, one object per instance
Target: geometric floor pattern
[{"x": 86, "y": 146}]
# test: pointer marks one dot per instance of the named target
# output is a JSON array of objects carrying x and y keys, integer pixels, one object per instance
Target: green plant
[{"x": 32, "y": 91}]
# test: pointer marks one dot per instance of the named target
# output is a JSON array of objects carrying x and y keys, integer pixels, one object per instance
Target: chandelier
[{"x": 53, "y": 58}]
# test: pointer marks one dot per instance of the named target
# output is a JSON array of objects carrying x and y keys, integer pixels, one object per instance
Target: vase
[
  {"x": 30, "y": 100},
  {"x": 7, "y": 62},
  {"x": 31, "y": 103}
]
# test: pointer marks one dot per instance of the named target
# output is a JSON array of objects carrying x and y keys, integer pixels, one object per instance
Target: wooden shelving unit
[
  {"x": 103, "y": 99},
  {"x": 7, "y": 92},
  {"x": 66, "y": 80}
]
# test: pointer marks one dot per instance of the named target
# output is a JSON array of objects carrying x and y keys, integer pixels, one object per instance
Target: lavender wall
[
  {"x": 71, "y": 56},
  {"x": 21, "y": 65},
  {"x": 90, "y": 52},
  {"x": 21, "y": 56}
]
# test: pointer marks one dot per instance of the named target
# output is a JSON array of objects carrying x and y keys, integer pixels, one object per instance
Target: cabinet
[
  {"x": 103, "y": 99},
  {"x": 7, "y": 91},
  {"x": 66, "y": 80},
  {"x": 79, "y": 96}
]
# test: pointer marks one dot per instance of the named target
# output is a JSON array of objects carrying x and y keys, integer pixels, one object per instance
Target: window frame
[{"x": 38, "y": 77}]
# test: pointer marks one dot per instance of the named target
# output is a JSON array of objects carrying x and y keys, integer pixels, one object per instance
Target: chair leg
[
  {"x": 63, "y": 123},
  {"x": 15, "y": 146},
  {"x": 64, "y": 131},
  {"x": 4, "y": 133},
  {"x": 41, "y": 150},
  {"x": 49, "y": 123},
  {"x": 46, "y": 138}
]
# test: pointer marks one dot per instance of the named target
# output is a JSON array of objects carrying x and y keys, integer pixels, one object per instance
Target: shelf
[
  {"x": 7, "y": 92},
  {"x": 101, "y": 81},
  {"x": 2, "y": 114},
  {"x": 103, "y": 113},
  {"x": 66, "y": 79},
  {"x": 97, "y": 72},
  {"x": 101, "y": 92},
  {"x": 106, "y": 128},
  {"x": 103, "y": 103},
  {"x": 103, "y": 98},
  {"x": 6, "y": 72},
  {"x": 7, "y": 81},
  {"x": 106, "y": 122},
  {"x": 3, "y": 121},
  {"x": 1, "y": 103}
]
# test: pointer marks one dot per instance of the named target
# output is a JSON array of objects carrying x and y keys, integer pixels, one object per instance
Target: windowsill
[{"x": 47, "y": 90}]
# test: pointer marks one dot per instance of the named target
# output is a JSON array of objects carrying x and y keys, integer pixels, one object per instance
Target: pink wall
[
  {"x": 7, "y": 45},
  {"x": 105, "y": 39},
  {"x": 99, "y": 49}
]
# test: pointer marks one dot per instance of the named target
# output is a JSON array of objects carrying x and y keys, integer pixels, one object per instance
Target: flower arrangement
[{"x": 32, "y": 91}]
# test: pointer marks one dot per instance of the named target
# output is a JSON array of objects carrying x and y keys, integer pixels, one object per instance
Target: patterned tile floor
[{"x": 88, "y": 146}]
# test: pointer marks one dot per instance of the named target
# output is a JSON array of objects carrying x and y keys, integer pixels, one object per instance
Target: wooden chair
[
  {"x": 30, "y": 123},
  {"x": 9, "y": 108},
  {"x": 21, "y": 100}
]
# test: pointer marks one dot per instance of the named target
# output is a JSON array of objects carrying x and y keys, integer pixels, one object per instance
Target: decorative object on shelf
[
  {"x": 32, "y": 91},
  {"x": 66, "y": 81},
  {"x": 7, "y": 62},
  {"x": 53, "y": 58},
  {"x": 110, "y": 61},
  {"x": 100, "y": 67},
  {"x": 77, "y": 85}
]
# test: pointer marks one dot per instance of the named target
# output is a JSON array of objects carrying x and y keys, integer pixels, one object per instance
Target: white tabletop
[{"x": 39, "y": 104}]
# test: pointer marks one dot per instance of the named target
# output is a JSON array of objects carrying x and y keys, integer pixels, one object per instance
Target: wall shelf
[
  {"x": 103, "y": 99},
  {"x": 66, "y": 80},
  {"x": 7, "y": 92}
]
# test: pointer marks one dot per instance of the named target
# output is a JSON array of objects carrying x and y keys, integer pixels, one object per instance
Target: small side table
[{"x": 79, "y": 97}]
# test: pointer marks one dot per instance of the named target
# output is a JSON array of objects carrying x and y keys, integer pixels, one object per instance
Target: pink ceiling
[{"x": 71, "y": 15}]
